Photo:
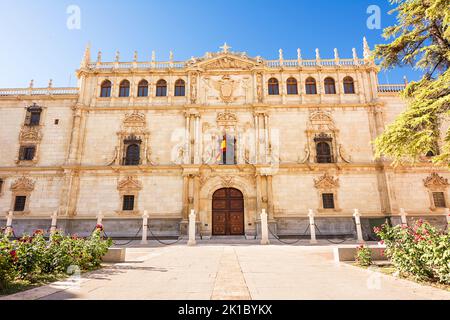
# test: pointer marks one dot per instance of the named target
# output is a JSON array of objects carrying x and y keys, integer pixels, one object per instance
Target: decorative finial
[
  {"x": 405, "y": 80},
  {"x": 117, "y": 56},
  {"x": 50, "y": 83},
  {"x": 153, "y": 56},
  {"x": 280, "y": 54},
  {"x": 31, "y": 83},
  {"x": 355, "y": 55},
  {"x": 336, "y": 54},
  {"x": 317, "y": 54},
  {"x": 367, "y": 52},
  {"x": 225, "y": 48},
  {"x": 299, "y": 54},
  {"x": 170, "y": 56},
  {"x": 99, "y": 57},
  {"x": 135, "y": 57},
  {"x": 87, "y": 56}
]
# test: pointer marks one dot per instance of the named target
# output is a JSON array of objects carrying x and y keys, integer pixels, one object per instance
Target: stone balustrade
[
  {"x": 37, "y": 91},
  {"x": 391, "y": 87}
]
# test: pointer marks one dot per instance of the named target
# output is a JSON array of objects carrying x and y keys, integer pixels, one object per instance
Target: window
[
  {"x": 310, "y": 86},
  {"x": 27, "y": 153},
  {"x": 323, "y": 152},
  {"x": 292, "y": 86},
  {"x": 330, "y": 87},
  {"x": 328, "y": 200},
  {"x": 105, "y": 91},
  {"x": 161, "y": 88},
  {"x": 19, "y": 203},
  {"x": 132, "y": 157},
  {"x": 273, "y": 87},
  {"x": 349, "y": 85},
  {"x": 143, "y": 88},
  {"x": 128, "y": 203},
  {"x": 1, "y": 186},
  {"x": 33, "y": 117},
  {"x": 179, "y": 88},
  {"x": 124, "y": 88},
  {"x": 439, "y": 199}
]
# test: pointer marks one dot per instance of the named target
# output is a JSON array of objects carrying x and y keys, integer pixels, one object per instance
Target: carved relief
[
  {"x": 129, "y": 184},
  {"x": 30, "y": 134},
  {"x": 259, "y": 87},
  {"x": 227, "y": 62},
  {"x": 435, "y": 182},
  {"x": 23, "y": 184},
  {"x": 326, "y": 182},
  {"x": 193, "y": 87},
  {"x": 225, "y": 87}
]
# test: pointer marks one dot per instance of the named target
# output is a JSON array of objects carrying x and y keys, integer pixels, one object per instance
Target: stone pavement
[{"x": 233, "y": 271}]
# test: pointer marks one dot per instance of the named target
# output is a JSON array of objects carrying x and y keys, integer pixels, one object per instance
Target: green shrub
[
  {"x": 420, "y": 251},
  {"x": 363, "y": 256}
]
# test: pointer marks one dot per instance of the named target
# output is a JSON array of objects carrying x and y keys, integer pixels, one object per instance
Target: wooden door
[{"x": 228, "y": 212}]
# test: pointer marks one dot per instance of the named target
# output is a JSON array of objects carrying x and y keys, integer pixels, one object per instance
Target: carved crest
[
  {"x": 225, "y": 86},
  {"x": 129, "y": 184},
  {"x": 227, "y": 181},
  {"x": 320, "y": 120},
  {"x": 135, "y": 119},
  {"x": 22, "y": 184},
  {"x": 30, "y": 134},
  {"x": 435, "y": 181},
  {"x": 226, "y": 117},
  {"x": 326, "y": 182}
]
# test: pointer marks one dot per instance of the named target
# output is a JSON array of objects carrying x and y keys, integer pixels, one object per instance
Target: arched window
[
  {"x": 161, "y": 88},
  {"x": 124, "y": 88},
  {"x": 132, "y": 155},
  {"x": 143, "y": 88},
  {"x": 330, "y": 87},
  {"x": 105, "y": 91},
  {"x": 273, "y": 87},
  {"x": 179, "y": 88},
  {"x": 291, "y": 84},
  {"x": 323, "y": 151},
  {"x": 349, "y": 85},
  {"x": 310, "y": 86}
]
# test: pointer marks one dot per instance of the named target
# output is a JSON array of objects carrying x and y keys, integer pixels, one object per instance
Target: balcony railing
[
  {"x": 391, "y": 87},
  {"x": 37, "y": 91}
]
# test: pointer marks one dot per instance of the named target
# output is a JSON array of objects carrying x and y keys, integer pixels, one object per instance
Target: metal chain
[
  {"x": 162, "y": 242},
  {"x": 333, "y": 242},
  {"x": 127, "y": 242},
  {"x": 285, "y": 242}
]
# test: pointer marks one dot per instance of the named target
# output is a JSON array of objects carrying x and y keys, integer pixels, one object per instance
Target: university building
[{"x": 226, "y": 135}]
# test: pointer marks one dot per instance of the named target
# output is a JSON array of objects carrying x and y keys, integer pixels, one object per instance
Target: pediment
[
  {"x": 326, "y": 182},
  {"x": 129, "y": 184},
  {"x": 228, "y": 61},
  {"x": 22, "y": 184}
]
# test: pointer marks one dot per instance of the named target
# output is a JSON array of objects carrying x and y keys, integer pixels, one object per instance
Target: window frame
[
  {"x": 180, "y": 85},
  {"x": 329, "y": 86},
  {"x": 127, "y": 204},
  {"x": 443, "y": 199},
  {"x": 324, "y": 201},
  {"x": 292, "y": 86},
  {"x": 23, "y": 205},
  {"x": 108, "y": 89},
  {"x": 273, "y": 87},
  {"x": 142, "y": 86},
  {"x": 124, "y": 89},
  {"x": 310, "y": 83},
  {"x": 23, "y": 152},
  {"x": 161, "y": 88},
  {"x": 349, "y": 81}
]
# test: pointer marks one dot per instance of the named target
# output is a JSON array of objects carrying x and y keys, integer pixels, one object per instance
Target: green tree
[{"x": 420, "y": 38}]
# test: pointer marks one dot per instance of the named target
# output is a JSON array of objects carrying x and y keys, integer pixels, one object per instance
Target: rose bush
[
  {"x": 30, "y": 256},
  {"x": 420, "y": 251},
  {"x": 363, "y": 256}
]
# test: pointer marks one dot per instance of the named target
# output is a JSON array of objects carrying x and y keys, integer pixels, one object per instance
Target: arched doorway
[{"x": 228, "y": 212}]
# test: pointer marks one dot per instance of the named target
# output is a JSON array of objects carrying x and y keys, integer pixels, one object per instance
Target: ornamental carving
[
  {"x": 435, "y": 181},
  {"x": 30, "y": 134},
  {"x": 129, "y": 184},
  {"x": 326, "y": 182},
  {"x": 320, "y": 120},
  {"x": 135, "y": 119},
  {"x": 227, "y": 182},
  {"x": 227, "y": 62},
  {"x": 226, "y": 117},
  {"x": 22, "y": 184},
  {"x": 225, "y": 86}
]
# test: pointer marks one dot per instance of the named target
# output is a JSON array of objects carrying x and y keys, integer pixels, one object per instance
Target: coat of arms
[{"x": 226, "y": 87}]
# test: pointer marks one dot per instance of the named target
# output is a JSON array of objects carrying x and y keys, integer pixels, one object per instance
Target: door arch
[{"x": 228, "y": 212}]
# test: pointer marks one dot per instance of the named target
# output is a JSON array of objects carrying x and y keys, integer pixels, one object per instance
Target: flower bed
[
  {"x": 32, "y": 257},
  {"x": 421, "y": 251}
]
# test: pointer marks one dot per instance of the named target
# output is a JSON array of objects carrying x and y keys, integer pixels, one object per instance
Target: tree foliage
[{"x": 420, "y": 38}]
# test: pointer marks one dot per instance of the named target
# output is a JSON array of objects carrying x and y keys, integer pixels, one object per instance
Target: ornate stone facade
[{"x": 297, "y": 136}]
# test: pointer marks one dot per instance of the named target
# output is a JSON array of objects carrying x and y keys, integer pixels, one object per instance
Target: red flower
[
  {"x": 99, "y": 226},
  {"x": 376, "y": 229},
  {"x": 38, "y": 231},
  {"x": 74, "y": 236},
  {"x": 381, "y": 242},
  {"x": 13, "y": 254}
]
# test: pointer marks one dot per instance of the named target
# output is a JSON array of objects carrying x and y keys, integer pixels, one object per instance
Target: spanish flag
[{"x": 223, "y": 144}]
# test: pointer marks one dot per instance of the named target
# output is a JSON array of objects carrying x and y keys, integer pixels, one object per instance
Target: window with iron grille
[
  {"x": 143, "y": 88},
  {"x": 105, "y": 91},
  {"x": 27, "y": 153},
  {"x": 161, "y": 88},
  {"x": 439, "y": 199},
  {"x": 128, "y": 203},
  {"x": 328, "y": 200},
  {"x": 33, "y": 115},
  {"x": 273, "y": 87},
  {"x": 19, "y": 203},
  {"x": 179, "y": 88}
]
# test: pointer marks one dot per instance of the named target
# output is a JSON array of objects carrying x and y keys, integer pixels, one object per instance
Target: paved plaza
[{"x": 233, "y": 271}]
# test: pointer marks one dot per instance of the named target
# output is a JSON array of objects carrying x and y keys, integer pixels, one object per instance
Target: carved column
[
  {"x": 266, "y": 138},
  {"x": 187, "y": 139},
  {"x": 258, "y": 194},
  {"x": 75, "y": 140},
  {"x": 270, "y": 206},
  {"x": 197, "y": 143},
  {"x": 197, "y": 195},
  {"x": 256, "y": 116},
  {"x": 185, "y": 212}
]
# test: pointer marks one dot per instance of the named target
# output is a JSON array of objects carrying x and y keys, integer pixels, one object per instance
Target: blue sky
[{"x": 36, "y": 43}]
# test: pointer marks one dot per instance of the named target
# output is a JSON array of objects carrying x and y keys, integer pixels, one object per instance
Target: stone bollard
[
  {"x": 144, "y": 227},
  {"x": 357, "y": 216},
  {"x": 447, "y": 215},
  {"x": 403, "y": 217},
  {"x": 264, "y": 228},
  {"x": 99, "y": 217},
  {"x": 191, "y": 241},
  {"x": 53, "y": 224},
  {"x": 9, "y": 219},
  {"x": 312, "y": 226}
]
